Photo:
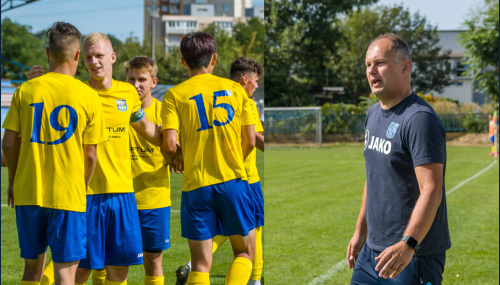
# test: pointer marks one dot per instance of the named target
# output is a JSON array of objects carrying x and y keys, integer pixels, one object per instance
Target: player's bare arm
[
  {"x": 358, "y": 239},
  {"x": 148, "y": 131},
  {"x": 90, "y": 160},
  {"x": 259, "y": 141},
  {"x": 430, "y": 180},
  {"x": 169, "y": 146},
  {"x": 10, "y": 149},
  {"x": 248, "y": 139}
]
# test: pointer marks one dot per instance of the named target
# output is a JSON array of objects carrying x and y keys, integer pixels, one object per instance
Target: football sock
[
  {"x": 98, "y": 277},
  {"x": 115, "y": 282},
  {"x": 258, "y": 261},
  {"x": 48, "y": 274},
  {"x": 492, "y": 149},
  {"x": 239, "y": 272},
  {"x": 154, "y": 280},
  {"x": 189, "y": 264},
  {"x": 217, "y": 242},
  {"x": 30, "y": 283},
  {"x": 198, "y": 278},
  {"x": 254, "y": 282}
]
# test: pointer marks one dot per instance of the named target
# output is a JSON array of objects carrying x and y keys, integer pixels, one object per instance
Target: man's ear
[
  {"x": 407, "y": 66},
  {"x": 184, "y": 62},
  {"x": 113, "y": 57},
  {"x": 214, "y": 59},
  {"x": 77, "y": 55},
  {"x": 47, "y": 52}
]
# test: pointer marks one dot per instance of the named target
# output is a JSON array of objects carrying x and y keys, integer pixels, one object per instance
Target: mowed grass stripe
[{"x": 301, "y": 245}]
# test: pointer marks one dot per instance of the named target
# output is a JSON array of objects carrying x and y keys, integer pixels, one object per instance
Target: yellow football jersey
[
  {"x": 251, "y": 161},
  {"x": 208, "y": 112},
  {"x": 151, "y": 177},
  {"x": 113, "y": 172},
  {"x": 55, "y": 114}
]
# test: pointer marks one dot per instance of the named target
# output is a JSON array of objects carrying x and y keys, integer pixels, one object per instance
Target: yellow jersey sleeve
[
  {"x": 251, "y": 161},
  {"x": 54, "y": 114},
  {"x": 151, "y": 177},
  {"x": 207, "y": 111}
]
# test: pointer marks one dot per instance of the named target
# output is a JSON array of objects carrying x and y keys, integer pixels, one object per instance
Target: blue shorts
[
  {"x": 422, "y": 270},
  {"x": 225, "y": 209},
  {"x": 155, "y": 228},
  {"x": 492, "y": 139},
  {"x": 113, "y": 231},
  {"x": 259, "y": 203},
  {"x": 64, "y": 231}
]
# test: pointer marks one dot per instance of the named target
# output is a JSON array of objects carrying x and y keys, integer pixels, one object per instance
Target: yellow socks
[
  {"x": 98, "y": 277},
  {"x": 217, "y": 242},
  {"x": 30, "y": 283},
  {"x": 198, "y": 278},
  {"x": 239, "y": 272},
  {"x": 48, "y": 274},
  {"x": 154, "y": 280},
  {"x": 258, "y": 260},
  {"x": 114, "y": 283}
]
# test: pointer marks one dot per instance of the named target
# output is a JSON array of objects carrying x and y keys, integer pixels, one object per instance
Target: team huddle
[{"x": 95, "y": 158}]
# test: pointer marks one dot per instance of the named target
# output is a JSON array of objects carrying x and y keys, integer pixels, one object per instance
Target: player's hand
[
  {"x": 10, "y": 195},
  {"x": 393, "y": 260},
  {"x": 353, "y": 249},
  {"x": 35, "y": 71}
]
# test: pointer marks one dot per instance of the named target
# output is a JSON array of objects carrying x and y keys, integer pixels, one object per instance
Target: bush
[
  {"x": 445, "y": 107},
  {"x": 469, "y": 108},
  {"x": 475, "y": 123}
]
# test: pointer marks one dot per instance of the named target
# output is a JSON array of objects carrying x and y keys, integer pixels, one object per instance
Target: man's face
[
  {"x": 142, "y": 81},
  {"x": 250, "y": 83},
  {"x": 99, "y": 59},
  {"x": 384, "y": 72}
]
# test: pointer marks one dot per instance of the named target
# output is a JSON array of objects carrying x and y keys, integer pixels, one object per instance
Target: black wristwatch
[{"x": 411, "y": 242}]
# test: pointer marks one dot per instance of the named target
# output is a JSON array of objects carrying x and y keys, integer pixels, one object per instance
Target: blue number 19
[
  {"x": 202, "y": 113},
  {"x": 54, "y": 123}
]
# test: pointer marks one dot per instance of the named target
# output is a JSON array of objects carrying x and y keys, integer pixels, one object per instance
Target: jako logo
[
  {"x": 139, "y": 255},
  {"x": 376, "y": 143}
]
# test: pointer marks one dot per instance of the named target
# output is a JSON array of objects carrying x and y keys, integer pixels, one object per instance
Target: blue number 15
[
  {"x": 54, "y": 123},
  {"x": 202, "y": 113}
]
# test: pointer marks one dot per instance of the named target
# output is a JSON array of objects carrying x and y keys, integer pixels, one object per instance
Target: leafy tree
[
  {"x": 20, "y": 45},
  {"x": 482, "y": 44},
  {"x": 300, "y": 41},
  {"x": 431, "y": 71},
  {"x": 250, "y": 38}
]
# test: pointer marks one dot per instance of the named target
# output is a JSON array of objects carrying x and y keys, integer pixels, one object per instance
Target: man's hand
[
  {"x": 393, "y": 260},
  {"x": 35, "y": 71},
  {"x": 10, "y": 195},
  {"x": 353, "y": 249}
]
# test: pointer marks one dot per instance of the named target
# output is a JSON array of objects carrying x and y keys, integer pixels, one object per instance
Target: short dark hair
[
  {"x": 142, "y": 63},
  {"x": 398, "y": 45},
  {"x": 244, "y": 66},
  {"x": 197, "y": 49},
  {"x": 64, "y": 40}
]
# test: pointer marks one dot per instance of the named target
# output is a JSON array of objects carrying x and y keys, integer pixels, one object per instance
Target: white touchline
[{"x": 343, "y": 262}]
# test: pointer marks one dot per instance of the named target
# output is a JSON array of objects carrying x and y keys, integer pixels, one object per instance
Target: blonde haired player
[
  {"x": 151, "y": 177},
  {"x": 60, "y": 122}
]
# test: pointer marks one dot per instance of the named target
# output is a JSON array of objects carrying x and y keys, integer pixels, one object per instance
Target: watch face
[{"x": 411, "y": 242}]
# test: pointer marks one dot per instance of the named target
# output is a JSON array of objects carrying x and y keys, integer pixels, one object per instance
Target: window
[
  {"x": 174, "y": 24},
  {"x": 226, "y": 8},
  {"x": 191, "y": 24},
  {"x": 200, "y": 2},
  {"x": 164, "y": 8},
  {"x": 174, "y": 1},
  {"x": 174, "y": 9},
  {"x": 174, "y": 39},
  {"x": 460, "y": 68}
]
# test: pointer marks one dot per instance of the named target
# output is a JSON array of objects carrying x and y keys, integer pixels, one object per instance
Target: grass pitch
[
  {"x": 313, "y": 198},
  {"x": 312, "y": 202}
]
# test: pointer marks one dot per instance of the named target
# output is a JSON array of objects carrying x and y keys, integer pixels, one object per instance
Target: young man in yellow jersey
[
  {"x": 216, "y": 132},
  {"x": 60, "y": 122},
  {"x": 151, "y": 177},
  {"x": 246, "y": 71}
]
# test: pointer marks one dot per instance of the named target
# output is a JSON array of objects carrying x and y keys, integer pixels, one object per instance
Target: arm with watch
[{"x": 396, "y": 257}]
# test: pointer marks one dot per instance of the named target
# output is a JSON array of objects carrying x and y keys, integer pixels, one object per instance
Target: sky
[
  {"x": 123, "y": 18},
  {"x": 120, "y": 18}
]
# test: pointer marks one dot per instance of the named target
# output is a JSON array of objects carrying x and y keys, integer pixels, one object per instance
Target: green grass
[
  {"x": 313, "y": 198},
  {"x": 312, "y": 202},
  {"x": 178, "y": 254}
]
